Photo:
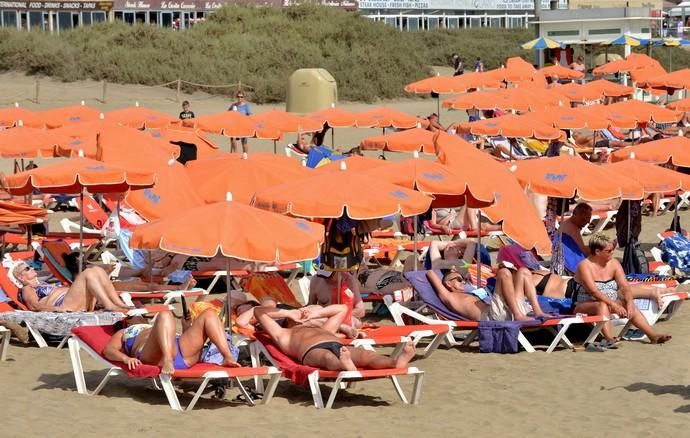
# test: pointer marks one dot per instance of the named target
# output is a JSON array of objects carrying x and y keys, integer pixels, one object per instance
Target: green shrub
[{"x": 261, "y": 47}]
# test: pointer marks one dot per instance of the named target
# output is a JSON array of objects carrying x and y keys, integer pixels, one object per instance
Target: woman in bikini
[
  {"x": 158, "y": 344},
  {"x": 90, "y": 287},
  {"x": 603, "y": 290}
]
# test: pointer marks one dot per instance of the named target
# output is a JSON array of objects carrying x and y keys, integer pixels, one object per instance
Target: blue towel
[
  {"x": 572, "y": 254},
  {"x": 554, "y": 305}
]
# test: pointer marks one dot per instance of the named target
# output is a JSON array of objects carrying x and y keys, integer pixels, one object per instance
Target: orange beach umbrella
[
  {"x": 15, "y": 116},
  {"x": 178, "y": 134},
  {"x": 675, "y": 150},
  {"x": 610, "y": 89},
  {"x": 577, "y": 92},
  {"x": 231, "y": 124},
  {"x": 9, "y": 217},
  {"x": 653, "y": 178},
  {"x": 386, "y": 117},
  {"x": 570, "y": 118},
  {"x": 140, "y": 118},
  {"x": 518, "y": 218},
  {"x": 433, "y": 178},
  {"x": 338, "y": 118},
  {"x": 560, "y": 72},
  {"x": 680, "y": 105},
  {"x": 233, "y": 229},
  {"x": 28, "y": 210},
  {"x": 677, "y": 80},
  {"x": 409, "y": 140},
  {"x": 354, "y": 163},
  {"x": 173, "y": 193},
  {"x": 286, "y": 122},
  {"x": 24, "y": 142},
  {"x": 567, "y": 176},
  {"x": 58, "y": 117},
  {"x": 76, "y": 174},
  {"x": 516, "y": 70},
  {"x": 511, "y": 126},
  {"x": 332, "y": 194},
  {"x": 242, "y": 177}
]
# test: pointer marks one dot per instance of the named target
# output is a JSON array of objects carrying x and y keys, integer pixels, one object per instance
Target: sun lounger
[
  {"x": 94, "y": 339},
  {"x": 4, "y": 343},
  {"x": 52, "y": 252},
  {"x": 302, "y": 374},
  {"x": 440, "y": 314},
  {"x": 653, "y": 313}
]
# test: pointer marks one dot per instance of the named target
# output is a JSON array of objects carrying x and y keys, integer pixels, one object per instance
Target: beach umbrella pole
[
  {"x": 340, "y": 284},
  {"x": 479, "y": 248},
  {"x": 228, "y": 301},
  {"x": 275, "y": 147},
  {"x": 414, "y": 244},
  {"x": 333, "y": 138},
  {"x": 81, "y": 231}
]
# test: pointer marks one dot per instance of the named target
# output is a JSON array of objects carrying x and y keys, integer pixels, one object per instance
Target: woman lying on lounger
[
  {"x": 90, "y": 287},
  {"x": 603, "y": 290},
  {"x": 160, "y": 345}
]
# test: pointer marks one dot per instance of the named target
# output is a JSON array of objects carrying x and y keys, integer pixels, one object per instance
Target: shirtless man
[
  {"x": 319, "y": 347},
  {"x": 507, "y": 301}
]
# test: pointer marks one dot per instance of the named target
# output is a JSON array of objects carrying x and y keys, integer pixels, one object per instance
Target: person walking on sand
[
  {"x": 241, "y": 106},
  {"x": 479, "y": 66}
]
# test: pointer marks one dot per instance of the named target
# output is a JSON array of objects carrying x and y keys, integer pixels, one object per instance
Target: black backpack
[
  {"x": 634, "y": 259},
  {"x": 342, "y": 250}
]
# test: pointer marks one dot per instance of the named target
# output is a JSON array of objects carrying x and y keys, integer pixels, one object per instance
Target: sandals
[{"x": 253, "y": 394}]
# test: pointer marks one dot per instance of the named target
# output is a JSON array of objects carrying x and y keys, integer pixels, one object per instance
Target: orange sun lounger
[{"x": 94, "y": 339}]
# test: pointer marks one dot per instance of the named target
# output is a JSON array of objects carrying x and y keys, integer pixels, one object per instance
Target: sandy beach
[{"x": 636, "y": 391}]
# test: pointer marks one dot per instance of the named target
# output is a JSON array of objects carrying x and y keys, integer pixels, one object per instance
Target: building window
[
  {"x": 556, "y": 33},
  {"x": 604, "y": 31}
]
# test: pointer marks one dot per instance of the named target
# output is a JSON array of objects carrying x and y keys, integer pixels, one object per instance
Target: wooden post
[
  {"x": 105, "y": 87},
  {"x": 179, "y": 87},
  {"x": 37, "y": 90}
]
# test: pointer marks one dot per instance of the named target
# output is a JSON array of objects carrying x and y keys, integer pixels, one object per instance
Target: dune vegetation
[{"x": 260, "y": 47}]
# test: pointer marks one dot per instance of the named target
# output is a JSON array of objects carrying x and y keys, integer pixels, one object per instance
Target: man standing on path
[{"x": 243, "y": 107}]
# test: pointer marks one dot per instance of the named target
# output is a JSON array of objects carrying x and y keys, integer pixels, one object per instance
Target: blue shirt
[{"x": 241, "y": 108}]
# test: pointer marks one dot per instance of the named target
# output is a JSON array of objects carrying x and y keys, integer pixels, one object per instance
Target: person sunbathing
[
  {"x": 89, "y": 288},
  {"x": 554, "y": 286},
  {"x": 158, "y": 344},
  {"x": 507, "y": 302},
  {"x": 603, "y": 290},
  {"x": 319, "y": 347},
  {"x": 322, "y": 292}
]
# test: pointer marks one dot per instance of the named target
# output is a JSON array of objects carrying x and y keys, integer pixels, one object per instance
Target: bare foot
[
  {"x": 660, "y": 339},
  {"x": 346, "y": 360},
  {"x": 167, "y": 367},
  {"x": 189, "y": 284},
  {"x": 406, "y": 356}
]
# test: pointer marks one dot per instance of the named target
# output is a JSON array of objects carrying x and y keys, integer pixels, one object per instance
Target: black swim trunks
[{"x": 332, "y": 346}]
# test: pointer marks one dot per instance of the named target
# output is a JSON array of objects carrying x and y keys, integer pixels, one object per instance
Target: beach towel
[
  {"x": 572, "y": 254},
  {"x": 676, "y": 252},
  {"x": 321, "y": 153}
]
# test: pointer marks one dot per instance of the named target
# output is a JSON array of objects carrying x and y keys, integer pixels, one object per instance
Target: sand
[{"x": 637, "y": 390}]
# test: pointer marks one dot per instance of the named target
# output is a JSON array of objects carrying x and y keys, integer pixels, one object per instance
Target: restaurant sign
[{"x": 58, "y": 6}]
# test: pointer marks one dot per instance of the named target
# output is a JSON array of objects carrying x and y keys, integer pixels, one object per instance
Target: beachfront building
[
  {"x": 406, "y": 15},
  {"x": 413, "y": 15}
]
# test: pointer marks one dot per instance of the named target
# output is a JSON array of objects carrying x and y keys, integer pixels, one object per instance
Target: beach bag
[
  {"x": 342, "y": 249},
  {"x": 675, "y": 250},
  {"x": 210, "y": 353},
  {"x": 499, "y": 336},
  {"x": 634, "y": 259}
]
